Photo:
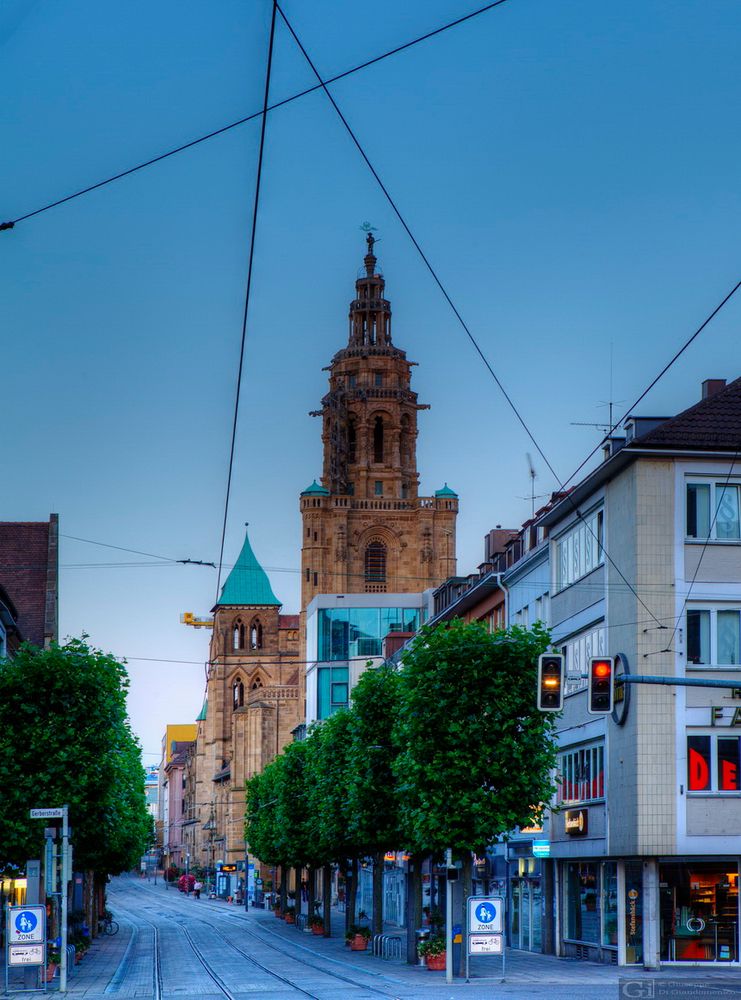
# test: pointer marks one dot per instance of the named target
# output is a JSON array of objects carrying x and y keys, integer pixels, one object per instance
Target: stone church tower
[
  {"x": 365, "y": 528},
  {"x": 254, "y": 700}
]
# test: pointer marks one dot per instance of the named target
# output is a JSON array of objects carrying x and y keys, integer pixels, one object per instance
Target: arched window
[
  {"x": 237, "y": 693},
  {"x": 375, "y": 562},
  {"x": 256, "y": 634},
  {"x": 238, "y": 635},
  {"x": 378, "y": 439},
  {"x": 256, "y": 684},
  {"x": 352, "y": 440},
  {"x": 407, "y": 444}
]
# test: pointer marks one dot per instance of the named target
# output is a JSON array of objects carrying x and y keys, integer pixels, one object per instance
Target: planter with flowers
[
  {"x": 317, "y": 924},
  {"x": 433, "y": 952},
  {"x": 357, "y": 937},
  {"x": 290, "y": 914},
  {"x": 53, "y": 958}
]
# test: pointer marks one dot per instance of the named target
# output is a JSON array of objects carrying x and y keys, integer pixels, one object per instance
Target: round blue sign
[
  {"x": 26, "y": 922},
  {"x": 485, "y": 913}
]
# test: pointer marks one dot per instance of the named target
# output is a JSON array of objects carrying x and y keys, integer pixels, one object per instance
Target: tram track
[{"x": 176, "y": 915}]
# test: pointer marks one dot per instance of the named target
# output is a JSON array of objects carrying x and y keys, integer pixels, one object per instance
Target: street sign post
[
  {"x": 48, "y": 813},
  {"x": 485, "y": 928}
]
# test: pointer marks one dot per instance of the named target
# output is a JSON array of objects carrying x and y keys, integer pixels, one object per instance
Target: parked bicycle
[{"x": 107, "y": 925}]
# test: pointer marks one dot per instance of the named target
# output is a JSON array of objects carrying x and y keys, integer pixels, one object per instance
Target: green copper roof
[
  {"x": 445, "y": 492},
  {"x": 248, "y": 582},
  {"x": 202, "y": 714},
  {"x": 315, "y": 489}
]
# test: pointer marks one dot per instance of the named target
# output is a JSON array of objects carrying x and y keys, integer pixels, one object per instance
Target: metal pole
[
  {"x": 678, "y": 681},
  {"x": 448, "y": 918},
  {"x": 65, "y": 882}
]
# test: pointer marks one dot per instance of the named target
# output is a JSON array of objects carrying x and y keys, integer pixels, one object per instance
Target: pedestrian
[{"x": 197, "y": 889}]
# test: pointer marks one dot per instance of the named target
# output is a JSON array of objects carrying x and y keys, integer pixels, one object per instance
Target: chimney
[{"x": 711, "y": 386}]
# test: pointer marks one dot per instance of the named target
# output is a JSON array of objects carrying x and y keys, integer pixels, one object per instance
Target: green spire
[
  {"x": 445, "y": 492},
  {"x": 202, "y": 715},
  {"x": 248, "y": 582}
]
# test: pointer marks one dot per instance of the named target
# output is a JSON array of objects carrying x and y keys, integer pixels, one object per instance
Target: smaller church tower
[{"x": 253, "y": 699}]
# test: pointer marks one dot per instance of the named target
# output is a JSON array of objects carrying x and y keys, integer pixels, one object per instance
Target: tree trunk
[
  {"x": 297, "y": 888},
  {"x": 352, "y": 894},
  {"x": 414, "y": 905},
  {"x": 312, "y": 890},
  {"x": 378, "y": 867},
  {"x": 327, "y": 899},
  {"x": 283, "y": 888}
]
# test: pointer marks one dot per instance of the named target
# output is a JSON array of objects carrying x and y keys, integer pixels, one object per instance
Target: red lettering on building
[{"x": 699, "y": 772}]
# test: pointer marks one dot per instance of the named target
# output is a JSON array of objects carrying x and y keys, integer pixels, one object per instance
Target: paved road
[{"x": 173, "y": 946}]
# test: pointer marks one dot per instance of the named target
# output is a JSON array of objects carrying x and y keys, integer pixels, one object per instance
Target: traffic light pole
[{"x": 675, "y": 681}]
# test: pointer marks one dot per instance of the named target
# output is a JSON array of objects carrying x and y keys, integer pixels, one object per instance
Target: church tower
[{"x": 365, "y": 527}]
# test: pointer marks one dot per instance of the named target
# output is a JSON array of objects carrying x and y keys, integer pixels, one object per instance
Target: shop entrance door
[
  {"x": 699, "y": 912},
  {"x": 525, "y": 922}
]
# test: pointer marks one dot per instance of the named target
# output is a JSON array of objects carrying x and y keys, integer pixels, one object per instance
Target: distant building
[
  {"x": 10, "y": 634},
  {"x": 29, "y": 574}
]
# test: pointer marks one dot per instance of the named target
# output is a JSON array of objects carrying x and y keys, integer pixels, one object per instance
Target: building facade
[
  {"x": 29, "y": 573},
  {"x": 645, "y": 558}
]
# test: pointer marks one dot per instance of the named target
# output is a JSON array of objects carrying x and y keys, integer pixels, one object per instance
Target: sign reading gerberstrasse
[{"x": 47, "y": 813}]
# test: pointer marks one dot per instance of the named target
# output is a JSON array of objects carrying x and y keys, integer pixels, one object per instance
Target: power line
[
  {"x": 255, "y": 208},
  {"x": 450, "y": 302},
  {"x": 251, "y": 117}
]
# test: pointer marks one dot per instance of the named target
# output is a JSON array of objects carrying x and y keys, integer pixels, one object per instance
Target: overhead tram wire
[
  {"x": 453, "y": 307},
  {"x": 248, "y": 289},
  {"x": 251, "y": 117},
  {"x": 711, "y": 316}
]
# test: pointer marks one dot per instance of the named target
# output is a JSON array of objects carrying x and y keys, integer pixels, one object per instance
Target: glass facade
[
  {"x": 332, "y": 690},
  {"x": 351, "y": 632}
]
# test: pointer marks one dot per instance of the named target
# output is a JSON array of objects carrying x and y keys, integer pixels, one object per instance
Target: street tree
[
  {"x": 476, "y": 759},
  {"x": 65, "y": 738}
]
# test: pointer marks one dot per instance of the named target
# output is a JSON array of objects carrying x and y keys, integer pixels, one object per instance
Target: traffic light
[
  {"x": 550, "y": 682},
  {"x": 600, "y": 694}
]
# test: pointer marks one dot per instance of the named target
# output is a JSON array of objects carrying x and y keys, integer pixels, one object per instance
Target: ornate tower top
[{"x": 370, "y": 312}]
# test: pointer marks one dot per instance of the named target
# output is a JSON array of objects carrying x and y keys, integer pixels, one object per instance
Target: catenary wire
[
  {"x": 251, "y": 117},
  {"x": 248, "y": 288},
  {"x": 450, "y": 302}
]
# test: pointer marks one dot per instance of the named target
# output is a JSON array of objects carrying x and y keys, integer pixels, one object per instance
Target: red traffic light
[
  {"x": 550, "y": 682},
  {"x": 600, "y": 693}
]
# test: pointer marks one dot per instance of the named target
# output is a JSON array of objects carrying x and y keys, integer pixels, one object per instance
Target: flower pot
[
  {"x": 290, "y": 918},
  {"x": 359, "y": 943},
  {"x": 436, "y": 963},
  {"x": 50, "y": 972},
  {"x": 278, "y": 914},
  {"x": 317, "y": 929}
]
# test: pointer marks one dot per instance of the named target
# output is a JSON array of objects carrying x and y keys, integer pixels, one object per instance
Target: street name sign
[
  {"x": 485, "y": 944},
  {"x": 47, "y": 813},
  {"x": 26, "y": 924},
  {"x": 26, "y": 954},
  {"x": 485, "y": 914}
]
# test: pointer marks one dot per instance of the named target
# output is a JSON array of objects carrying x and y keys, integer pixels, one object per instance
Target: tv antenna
[{"x": 533, "y": 496}]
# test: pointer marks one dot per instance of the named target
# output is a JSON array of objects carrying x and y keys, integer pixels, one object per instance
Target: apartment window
[
  {"x": 713, "y": 763},
  {"x": 580, "y": 550},
  {"x": 713, "y": 511},
  {"x": 577, "y": 651},
  {"x": 714, "y": 637},
  {"x": 582, "y": 775}
]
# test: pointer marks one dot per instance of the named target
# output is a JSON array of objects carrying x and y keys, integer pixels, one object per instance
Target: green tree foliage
[
  {"x": 475, "y": 756},
  {"x": 65, "y": 738},
  {"x": 372, "y": 804},
  {"x": 260, "y": 827},
  {"x": 328, "y": 770}
]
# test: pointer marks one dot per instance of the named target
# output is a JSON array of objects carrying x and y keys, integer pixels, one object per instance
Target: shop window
[
  {"x": 699, "y": 912},
  {"x": 714, "y": 636},
  {"x": 583, "y": 913},
  {"x": 713, "y": 763},
  {"x": 713, "y": 511}
]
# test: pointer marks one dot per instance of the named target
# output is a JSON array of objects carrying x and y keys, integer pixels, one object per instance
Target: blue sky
[{"x": 570, "y": 169}]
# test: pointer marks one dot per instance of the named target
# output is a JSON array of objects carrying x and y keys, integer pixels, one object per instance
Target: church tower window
[
  {"x": 256, "y": 634},
  {"x": 238, "y": 635},
  {"x": 352, "y": 440},
  {"x": 375, "y": 562},
  {"x": 238, "y": 693},
  {"x": 378, "y": 439}
]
